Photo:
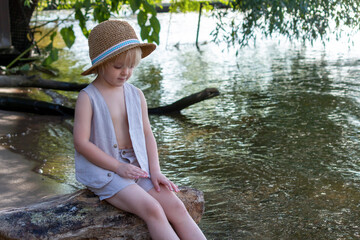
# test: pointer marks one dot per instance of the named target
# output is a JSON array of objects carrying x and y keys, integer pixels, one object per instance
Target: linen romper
[{"x": 102, "y": 182}]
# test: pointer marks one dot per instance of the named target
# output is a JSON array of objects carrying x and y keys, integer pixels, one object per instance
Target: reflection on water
[{"x": 276, "y": 153}]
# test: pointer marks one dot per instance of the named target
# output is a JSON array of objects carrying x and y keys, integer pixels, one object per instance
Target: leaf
[
  {"x": 101, "y": 12},
  {"x": 142, "y": 18},
  {"x": 135, "y": 5},
  {"x": 49, "y": 47},
  {"x": 87, "y": 5},
  {"x": 85, "y": 31},
  {"x": 27, "y": 3},
  {"x": 149, "y": 8},
  {"x": 47, "y": 61},
  {"x": 155, "y": 24},
  {"x": 144, "y": 33},
  {"x": 53, "y": 56},
  {"x": 115, "y": 6},
  {"x": 82, "y": 18},
  {"x": 68, "y": 36},
  {"x": 155, "y": 37},
  {"x": 53, "y": 36},
  {"x": 25, "y": 67}
]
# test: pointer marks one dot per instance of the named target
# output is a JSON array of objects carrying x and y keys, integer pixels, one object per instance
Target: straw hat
[{"x": 111, "y": 38}]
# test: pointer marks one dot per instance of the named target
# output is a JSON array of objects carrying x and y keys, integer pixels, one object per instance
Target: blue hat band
[{"x": 113, "y": 49}]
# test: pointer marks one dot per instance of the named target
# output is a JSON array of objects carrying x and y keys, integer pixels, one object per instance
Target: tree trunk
[
  {"x": 82, "y": 216},
  {"x": 20, "y": 17}
]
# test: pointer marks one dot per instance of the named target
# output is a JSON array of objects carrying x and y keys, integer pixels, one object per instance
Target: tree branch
[
  {"x": 16, "y": 81},
  {"x": 45, "y": 108},
  {"x": 179, "y": 105}
]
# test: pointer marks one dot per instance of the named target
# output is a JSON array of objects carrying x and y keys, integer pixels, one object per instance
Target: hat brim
[{"x": 146, "y": 48}]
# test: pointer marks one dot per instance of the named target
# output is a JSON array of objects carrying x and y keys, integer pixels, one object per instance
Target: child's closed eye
[{"x": 121, "y": 67}]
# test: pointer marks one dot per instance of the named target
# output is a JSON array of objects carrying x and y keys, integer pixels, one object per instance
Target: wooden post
[{"x": 198, "y": 28}]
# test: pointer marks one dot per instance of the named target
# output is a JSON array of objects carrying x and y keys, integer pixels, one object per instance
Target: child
[{"x": 116, "y": 153}]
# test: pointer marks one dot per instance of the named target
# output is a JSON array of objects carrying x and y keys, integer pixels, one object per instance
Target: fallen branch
[
  {"x": 185, "y": 102},
  {"x": 82, "y": 216},
  {"x": 18, "y": 81},
  {"x": 45, "y": 108},
  {"x": 34, "y": 106}
]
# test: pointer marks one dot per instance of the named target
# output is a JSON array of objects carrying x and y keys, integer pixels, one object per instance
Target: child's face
[{"x": 117, "y": 72}]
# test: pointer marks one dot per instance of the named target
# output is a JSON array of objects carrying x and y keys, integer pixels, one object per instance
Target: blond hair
[{"x": 130, "y": 57}]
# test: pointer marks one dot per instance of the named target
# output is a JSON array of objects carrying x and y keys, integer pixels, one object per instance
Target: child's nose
[{"x": 125, "y": 71}]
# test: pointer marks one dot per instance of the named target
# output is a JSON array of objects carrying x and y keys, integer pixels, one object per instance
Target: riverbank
[{"x": 20, "y": 185}]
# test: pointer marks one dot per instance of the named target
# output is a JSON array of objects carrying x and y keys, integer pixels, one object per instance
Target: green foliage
[
  {"x": 306, "y": 20},
  {"x": 135, "y": 5},
  {"x": 102, "y": 10},
  {"x": 99, "y": 11},
  {"x": 53, "y": 52},
  {"x": 154, "y": 22},
  {"x": 83, "y": 17},
  {"x": 28, "y": 3},
  {"x": 142, "y": 18},
  {"x": 55, "y": 4},
  {"x": 184, "y": 6},
  {"x": 68, "y": 35}
]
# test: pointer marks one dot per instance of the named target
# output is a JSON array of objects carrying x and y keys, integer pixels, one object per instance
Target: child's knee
[
  {"x": 153, "y": 210},
  {"x": 178, "y": 211},
  {"x": 179, "y": 205}
]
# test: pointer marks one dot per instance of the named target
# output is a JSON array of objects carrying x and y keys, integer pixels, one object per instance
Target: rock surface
[{"x": 82, "y": 216}]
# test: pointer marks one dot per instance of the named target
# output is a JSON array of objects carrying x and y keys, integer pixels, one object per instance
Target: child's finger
[
  {"x": 143, "y": 174},
  {"x": 171, "y": 186},
  {"x": 167, "y": 183},
  {"x": 140, "y": 173},
  {"x": 176, "y": 189},
  {"x": 156, "y": 185}
]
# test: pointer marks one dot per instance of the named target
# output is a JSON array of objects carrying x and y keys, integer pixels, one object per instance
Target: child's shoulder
[
  {"x": 129, "y": 85},
  {"x": 87, "y": 92},
  {"x": 89, "y": 87},
  {"x": 133, "y": 88}
]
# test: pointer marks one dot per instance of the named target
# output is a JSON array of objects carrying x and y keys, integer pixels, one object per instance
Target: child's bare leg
[
  {"x": 177, "y": 214},
  {"x": 135, "y": 200}
]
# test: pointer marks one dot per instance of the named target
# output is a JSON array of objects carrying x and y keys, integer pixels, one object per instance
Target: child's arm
[
  {"x": 156, "y": 176},
  {"x": 82, "y": 144}
]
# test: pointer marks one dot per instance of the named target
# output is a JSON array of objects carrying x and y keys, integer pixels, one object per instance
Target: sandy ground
[{"x": 19, "y": 185}]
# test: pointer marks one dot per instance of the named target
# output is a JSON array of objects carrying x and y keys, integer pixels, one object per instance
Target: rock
[{"x": 82, "y": 216}]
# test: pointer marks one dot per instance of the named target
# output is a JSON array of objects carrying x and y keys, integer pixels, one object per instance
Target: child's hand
[
  {"x": 159, "y": 178},
  {"x": 127, "y": 170}
]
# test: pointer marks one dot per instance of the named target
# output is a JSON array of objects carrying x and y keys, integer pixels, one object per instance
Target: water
[{"x": 276, "y": 154}]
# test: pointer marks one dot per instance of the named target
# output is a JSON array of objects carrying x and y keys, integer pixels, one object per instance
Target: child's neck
[{"x": 100, "y": 83}]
